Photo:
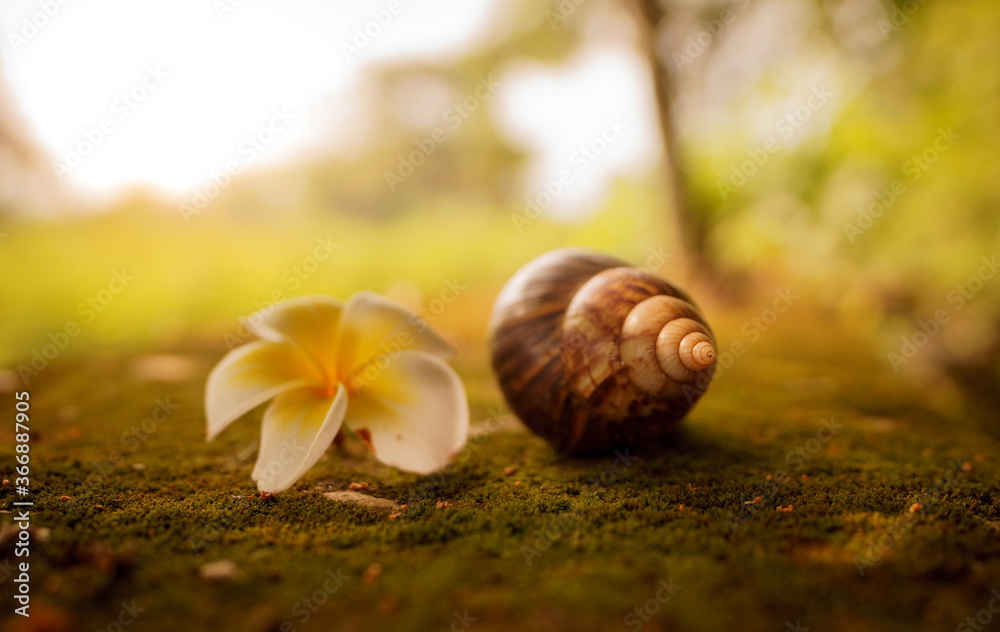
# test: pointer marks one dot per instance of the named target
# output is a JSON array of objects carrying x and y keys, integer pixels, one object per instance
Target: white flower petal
[
  {"x": 310, "y": 322},
  {"x": 251, "y": 375},
  {"x": 298, "y": 427},
  {"x": 373, "y": 326},
  {"x": 413, "y": 413}
]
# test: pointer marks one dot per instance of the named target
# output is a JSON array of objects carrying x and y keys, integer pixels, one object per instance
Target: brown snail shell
[{"x": 593, "y": 354}]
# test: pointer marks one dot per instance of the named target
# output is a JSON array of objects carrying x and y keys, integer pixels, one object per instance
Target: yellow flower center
[{"x": 352, "y": 383}]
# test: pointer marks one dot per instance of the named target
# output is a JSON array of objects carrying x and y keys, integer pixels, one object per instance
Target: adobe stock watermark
[
  {"x": 461, "y": 621},
  {"x": 287, "y": 456},
  {"x": 585, "y": 330},
  {"x": 120, "y": 109},
  {"x": 554, "y": 530},
  {"x": 752, "y": 330},
  {"x": 563, "y": 13},
  {"x": 213, "y": 529},
  {"x": 292, "y": 279},
  {"x": 984, "y": 617},
  {"x": 32, "y": 25},
  {"x": 880, "y": 545},
  {"x": 656, "y": 259},
  {"x": 560, "y": 525},
  {"x": 619, "y": 465},
  {"x": 796, "y": 459},
  {"x": 642, "y": 614},
  {"x": 8, "y": 569},
  {"x": 431, "y": 483},
  {"x": 252, "y": 146},
  {"x": 914, "y": 169},
  {"x": 88, "y": 310},
  {"x": 582, "y": 158},
  {"x": 131, "y": 440},
  {"x": 959, "y": 298},
  {"x": 305, "y": 608},
  {"x": 389, "y": 350},
  {"x": 224, "y": 8},
  {"x": 371, "y": 29},
  {"x": 126, "y": 616},
  {"x": 899, "y": 15},
  {"x": 785, "y": 128},
  {"x": 698, "y": 43},
  {"x": 453, "y": 117}
]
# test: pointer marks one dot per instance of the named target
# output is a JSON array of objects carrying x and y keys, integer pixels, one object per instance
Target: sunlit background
[
  {"x": 207, "y": 77},
  {"x": 219, "y": 155}
]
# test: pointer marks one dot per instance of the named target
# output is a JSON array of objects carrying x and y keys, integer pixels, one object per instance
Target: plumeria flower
[{"x": 370, "y": 364}]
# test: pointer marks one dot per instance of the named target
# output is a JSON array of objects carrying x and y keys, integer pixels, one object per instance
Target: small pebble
[
  {"x": 362, "y": 499},
  {"x": 6, "y": 482},
  {"x": 371, "y": 573},
  {"x": 966, "y": 467},
  {"x": 357, "y": 487},
  {"x": 220, "y": 570},
  {"x": 517, "y": 483},
  {"x": 915, "y": 507},
  {"x": 441, "y": 504},
  {"x": 65, "y": 499},
  {"x": 805, "y": 476},
  {"x": 138, "y": 467},
  {"x": 507, "y": 471},
  {"x": 680, "y": 508},
  {"x": 787, "y": 509}
]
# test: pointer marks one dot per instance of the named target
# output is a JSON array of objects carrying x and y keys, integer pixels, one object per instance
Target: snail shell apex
[{"x": 593, "y": 354}]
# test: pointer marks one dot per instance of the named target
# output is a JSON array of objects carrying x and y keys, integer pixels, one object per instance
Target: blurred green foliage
[
  {"x": 841, "y": 210},
  {"x": 199, "y": 278}
]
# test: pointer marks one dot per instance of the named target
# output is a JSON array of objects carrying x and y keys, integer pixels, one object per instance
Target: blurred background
[{"x": 168, "y": 168}]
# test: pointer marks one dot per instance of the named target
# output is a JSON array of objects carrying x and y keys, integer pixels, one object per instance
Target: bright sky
[{"x": 168, "y": 91}]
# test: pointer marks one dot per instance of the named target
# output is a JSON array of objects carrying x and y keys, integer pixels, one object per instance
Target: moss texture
[{"x": 557, "y": 544}]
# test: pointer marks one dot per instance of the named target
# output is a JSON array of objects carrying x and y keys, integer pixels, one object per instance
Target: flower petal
[
  {"x": 309, "y": 322},
  {"x": 298, "y": 427},
  {"x": 373, "y": 326},
  {"x": 413, "y": 414},
  {"x": 251, "y": 375}
]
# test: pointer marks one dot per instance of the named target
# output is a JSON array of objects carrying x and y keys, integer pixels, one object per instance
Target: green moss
[{"x": 579, "y": 544}]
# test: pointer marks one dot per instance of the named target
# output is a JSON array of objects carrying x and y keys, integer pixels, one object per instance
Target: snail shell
[{"x": 593, "y": 354}]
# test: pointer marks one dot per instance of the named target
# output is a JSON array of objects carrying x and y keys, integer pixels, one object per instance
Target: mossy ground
[{"x": 599, "y": 536}]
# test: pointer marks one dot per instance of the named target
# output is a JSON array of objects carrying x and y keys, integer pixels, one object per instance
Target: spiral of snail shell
[{"x": 593, "y": 354}]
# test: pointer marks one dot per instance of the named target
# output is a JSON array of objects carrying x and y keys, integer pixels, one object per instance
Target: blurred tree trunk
[{"x": 690, "y": 226}]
